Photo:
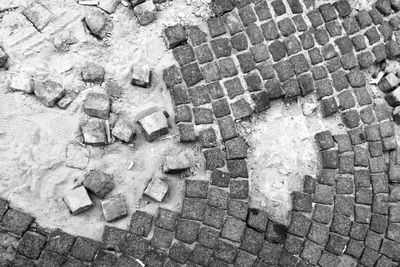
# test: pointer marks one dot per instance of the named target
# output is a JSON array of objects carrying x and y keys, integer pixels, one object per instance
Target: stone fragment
[
  {"x": 76, "y": 156},
  {"x": 48, "y": 92},
  {"x": 66, "y": 100},
  {"x": 114, "y": 208},
  {"x": 156, "y": 189},
  {"x": 92, "y": 73},
  {"x": 99, "y": 183},
  {"x": 154, "y": 125},
  {"x": 94, "y": 132},
  {"x": 109, "y": 6},
  {"x": 145, "y": 13},
  {"x": 123, "y": 130},
  {"x": 20, "y": 82},
  {"x": 141, "y": 76},
  {"x": 175, "y": 162},
  {"x": 38, "y": 15},
  {"x": 77, "y": 200},
  {"x": 96, "y": 22},
  {"x": 97, "y": 105}
]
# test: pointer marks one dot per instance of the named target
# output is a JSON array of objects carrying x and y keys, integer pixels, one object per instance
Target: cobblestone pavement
[{"x": 349, "y": 215}]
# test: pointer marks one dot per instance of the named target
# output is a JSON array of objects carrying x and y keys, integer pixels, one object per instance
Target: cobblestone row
[{"x": 254, "y": 52}]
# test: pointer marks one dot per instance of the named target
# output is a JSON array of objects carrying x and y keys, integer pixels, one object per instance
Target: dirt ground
[{"x": 33, "y": 138}]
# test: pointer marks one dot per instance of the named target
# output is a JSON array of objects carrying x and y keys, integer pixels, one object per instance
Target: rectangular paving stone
[
  {"x": 208, "y": 236},
  {"x": 227, "y": 128},
  {"x": 300, "y": 224},
  {"x": 315, "y": 18},
  {"x": 84, "y": 249},
  {"x": 311, "y": 252},
  {"x": 141, "y": 223},
  {"x": 255, "y": 34},
  {"x": 16, "y": 222},
  {"x": 216, "y": 26},
  {"x": 322, "y": 213},
  {"x": 238, "y": 209}
]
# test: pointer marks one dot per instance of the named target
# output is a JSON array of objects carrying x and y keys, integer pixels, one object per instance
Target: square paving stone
[
  {"x": 84, "y": 249},
  {"x": 334, "y": 28},
  {"x": 31, "y": 245},
  {"x": 220, "y": 178},
  {"x": 203, "y": 116},
  {"x": 299, "y": 225},
  {"x": 234, "y": 87},
  {"x": 315, "y": 18},
  {"x": 365, "y": 59},
  {"x": 344, "y": 204},
  {"x": 355, "y": 248},
  {"x": 244, "y": 259},
  {"x": 369, "y": 257},
  {"x": 227, "y": 128},
  {"x": 358, "y": 231},
  {"x": 191, "y": 74},
  {"x": 328, "y": 12},
  {"x": 328, "y": 52},
  {"x": 260, "y": 52},
  {"x": 261, "y": 101},
  {"x": 175, "y": 35},
  {"x": 378, "y": 165},
  {"x": 393, "y": 231},
  {"x": 241, "y": 109},
  {"x": 277, "y": 50},
  {"x": 346, "y": 163},
  {"x": 333, "y": 64},
  {"x": 274, "y": 89},
  {"x": 193, "y": 208},
  {"x": 336, "y": 244},
  {"x": 16, "y": 222},
  {"x": 154, "y": 258},
  {"x": 196, "y": 35},
  {"x": 208, "y": 236},
  {"x": 356, "y": 78},
  {"x": 364, "y": 196},
  {"x": 307, "y": 40},
  {"x": 295, "y": 6},
  {"x": 218, "y": 197},
  {"x": 375, "y": 148},
  {"x": 227, "y": 67},
  {"x": 378, "y": 223},
  {"x": 311, "y": 252},
  {"x": 252, "y": 241},
  {"x": 318, "y": 233},
  {"x": 183, "y": 114},
  {"x": 300, "y": 23},
  {"x": 299, "y": 64},
  {"x": 343, "y": 142},
  {"x": 208, "y": 138},
  {"x": 233, "y": 229},
  {"x": 105, "y": 258},
  {"x": 214, "y": 217},
  {"x": 263, "y": 11},
  {"x": 225, "y": 251},
  {"x": 141, "y": 223},
  {"x": 186, "y": 132},
  {"x": 309, "y": 184},
  {"x": 276, "y": 232},
  {"x": 211, "y": 72},
  {"x": 184, "y": 54},
  {"x": 362, "y": 214},
  {"x": 246, "y": 62},
  {"x": 179, "y": 252},
  {"x": 172, "y": 76},
  {"x": 323, "y": 88},
  {"x": 135, "y": 246},
  {"x": 350, "y": 25},
  {"x": 306, "y": 84},
  {"x": 238, "y": 209},
  {"x": 112, "y": 237},
  {"x": 315, "y": 56},
  {"x": 180, "y": 95},
  {"x": 321, "y": 36},
  {"x": 359, "y": 42},
  {"x": 319, "y": 72},
  {"x": 329, "y": 106},
  {"x": 341, "y": 224},
  {"x": 361, "y": 156},
  {"x": 343, "y": 8},
  {"x": 203, "y": 54},
  {"x": 279, "y": 7},
  {"x": 380, "y": 204},
  {"x": 270, "y": 30},
  {"x": 270, "y": 252},
  {"x": 255, "y": 34},
  {"x": 239, "y": 42},
  {"x": 364, "y": 19},
  {"x": 201, "y": 255},
  {"x": 247, "y": 15},
  {"x": 293, "y": 244},
  {"x": 351, "y": 118},
  {"x": 257, "y": 219},
  {"x": 379, "y": 52},
  {"x": 367, "y": 115},
  {"x": 394, "y": 212},
  {"x": 233, "y": 22},
  {"x": 239, "y": 189},
  {"x": 394, "y": 173},
  {"x": 301, "y": 201},
  {"x": 253, "y": 82},
  {"x": 187, "y": 231},
  {"x": 329, "y": 159},
  {"x": 284, "y": 70},
  {"x": 372, "y": 35},
  {"x": 215, "y": 90},
  {"x": 344, "y": 184},
  {"x": 348, "y": 61},
  {"x": 324, "y": 194},
  {"x": 196, "y": 188},
  {"x": 286, "y": 27},
  {"x": 328, "y": 259}
]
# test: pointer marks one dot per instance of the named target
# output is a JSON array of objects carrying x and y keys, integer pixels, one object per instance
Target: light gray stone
[
  {"x": 97, "y": 105},
  {"x": 145, "y": 12},
  {"x": 175, "y": 162},
  {"x": 154, "y": 125},
  {"x": 94, "y": 132},
  {"x": 114, "y": 208},
  {"x": 123, "y": 130},
  {"x": 109, "y": 6},
  {"x": 48, "y": 92},
  {"x": 77, "y": 200},
  {"x": 156, "y": 189},
  {"x": 21, "y": 82},
  {"x": 92, "y": 73},
  {"x": 96, "y": 22},
  {"x": 67, "y": 100},
  {"x": 38, "y": 15},
  {"x": 77, "y": 156},
  {"x": 141, "y": 76}
]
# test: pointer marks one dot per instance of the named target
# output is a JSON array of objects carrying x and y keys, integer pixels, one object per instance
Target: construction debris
[
  {"x": 154, "y": 125},
  {"x": 175, "y": 162},
  {"x": 48, "y": 92},
  {"x": 94, "y": 132},
  {"x": 114, "y": 208},
  {"x": 98, "y": 183},
  {"x": 145, "y": 13},
  {"x": 76, "y": 156},
  {"x": 156, "y": 189},
  {"x": 123, "y": 131},
  {"x": 141, "y": 76},
  {"x": 97, "y": 105},
  {"x": 77, "y": 200}
]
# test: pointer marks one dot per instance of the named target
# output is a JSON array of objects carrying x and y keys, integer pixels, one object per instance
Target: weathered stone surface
[
  {"x": 76, "y": 156},
  {"x": 154, "y": 125},
  {"x": 94, "y": 132},
  {"x": 98, "y": 182},
  {"x": 92, "y": 73},
  {"x": 141, "y": 223},
  {"x": 114, "y": 208},
  {"x": 238, "y": 209},
  {"x": 193, "y": 209},
  {"x": 77, "y": 200},
  {"x": 97, "y": 105},
  {"x": 176, "y": 161},
  {"x": 96, "y": 22},
  {"x": 123, "y": 130},
  {"x": 145, "y": 13},
  {"x": 141, "y": 76},
  {"x": 48, "y": 92},
  {"x": 113, "y": 237},
  {"x": 84, "y": 249},
  {"x": 31, "y": 244},
  {"x": 225, "y": 251},
  {"x": 38, "y": 15},
  {"x": 20, "y": 82},
  {"x": 166, "y": 219},
  {"x": 187, "y": 231},
  {"x": 175, "y": 35}
]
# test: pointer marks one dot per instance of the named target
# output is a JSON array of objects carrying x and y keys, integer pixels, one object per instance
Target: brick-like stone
[
  {"x": 114, "y": 208},
  {"x": 48, "y": 92},
  {"x": 323, "y": 88},
  {"x": 208, "y": 236},
  {"x": 233, "y": 229},
  {"x": 225, "y": 251},
  {"x": 227, "y": 128},
  {"x": 187, "y": 231},
  {"x": 321, "y": 36},
  {"x": 336, "y": 244},
  {"x": 322, "y": 213},
  {"x": 246, "y": 62},
  {"x": 214, "y": 217},
  {"x": 315, "y": 55},
  {"x": 255, "y": 34},
  {"x": 350, "y": 25},
  {"x": 241, "y": 109},
  {"x": 218, "y": 197},
  {"x": 84, "y": 249},
  {"x": 31, "y": 245},
  {"x": 77, "y": 200},
  {"x": 277, "y": 50},
  {"x": 315, "y": 18},
  {"x": 329, "y": 106},
  {"x": 238, "y": 209},
  {"x": 179, "y": 252},
  {"x": 193, "y": 209},
  {"x": 300, "y": 224}
]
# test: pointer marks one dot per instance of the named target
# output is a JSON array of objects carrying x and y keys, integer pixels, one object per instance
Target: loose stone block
[
  {"x": 141, "y": 76},
  {"x": 145, "y": 12},
  {"x": 154, "y": 125},
  {"x": 114, "y": 208},
  {"x": 48, "y": 92},
  {"x": 123, "y": 130},
  {"x": 96, "y": 22},
  {"x": 94, "y": 132},
  {"x": 38, "y": 15},
  {"x": 277, "y": 50},
  {"x": 175, "y": 162},
  {"x": 31, "y": 245},
  {"x": 92, "y": 73},
  {"x": 77, "y": 200},
  {"x": 322, "y": 213},
  {"x": 156, "y": 189},
  {"x": 99, "y": 183},
  {"x": 97, "y": 105},
  {"x": 20, "y": 82},
  {"x": 175, "y": 35}
]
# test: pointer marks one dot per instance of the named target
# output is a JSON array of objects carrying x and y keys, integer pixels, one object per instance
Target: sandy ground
[{"x": 33, "y": 138}]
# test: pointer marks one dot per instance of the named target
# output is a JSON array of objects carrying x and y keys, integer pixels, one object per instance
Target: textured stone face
[
  {"x": 99, "y": 183},
  {"x": 97, "y": 105},
  {"x": 20, "y": 82},
  {"x": 38, "y": 15},
  {"x": 94, "y": 132},
  {"x": 92, "y": 73},
  {"x": 154, "y": 125},
  {"x": 78, "y": 200},
  {"x": 145, "y": 13},
  {"x": 156, "y": 189},
  {"x": 96, "y": 21},
  {"x": 123, "y": 131},
  {"x": 141, "y": 76},
  {"x": 48, "y": 92},
  {"x": 114, "y": 208}
]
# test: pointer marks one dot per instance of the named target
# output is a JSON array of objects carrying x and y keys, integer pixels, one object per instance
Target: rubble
[
  {"x": 76, "y": 156},
  {"x": 154, "y": 125},
  {"x": 156, "y": 189},
  {"x": 67, "y": 100},
  {"x": 96, "y": 22},
  {"x": 21, "y": 82},
  {"x": 114, "y": 208},
  {"x": 92, "y": 73},
  {"x": 99, "y": 183},
  {"x": 94, "y": 132},
  {"x": 77, "y": 200},
  {"x": 123, "y": 131},
  {"x": 175, "y": 162},
  {"x": 141, "y": 76},
  {"x": 48, "y": 92},
  {"x": 145, "y": 12},
  {"x": 97, "y": 105},
  {"x": 3, "y": 57},
  {"x": 38, "y": 15}
]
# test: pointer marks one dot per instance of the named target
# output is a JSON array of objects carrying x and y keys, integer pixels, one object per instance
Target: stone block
[
  {"x": 162, "y": 239},
  {"x": 141, "y": 223},
  {"x": 154, "y": 125},
  {"x": 31, "y": 245},
  {"x": 191, "y": 74},
  {"x": 383, "y": 6},
  {"x": 203, "y": 116},
  {"x": 193, "y": 208},
  {"x": 301, "y": 201},
  {"x": 77, "y": 200},
  {"x": 311, "y": 252},
  {"x": 277, "y": 50},
  {"x": 329, "y": 106},
  {"x": 166, "y": 219},
  {"x": 92, "y": 73},
  {"x": 97, "y": 105},
  {"x": 359, "y": 42},
  {"x": 211, "y": 72},
  {"x": 257, "y": 219},
  {"x": 321, "y": 36},
  {"x": 286, "y": 27},
  {"x": 322, "y": 213},
  {"x": 38, "y": 15},
  {"x": 187, "y": 231},
  {"x": 214, "y": 158},
  {"x": 179, "y": 252},
  {"x": 344, "y": 44},
  {"x": 336, "y": 244},
  {"x": 270, "y": 252},
  {"x": 341, "y": 224},
  {"x": 233, "y": 22},
  {"x": 233, "y": 229},
  {"x": 123, "y": 130},
  {"x": 239, "y": 189},
  {"x": 97, "y": 24},
  {"x": 175, "y": 35},
  {"x": 238, "y": 209},
  {"x": 84, "y": 249},
  {"x": 350, "y": 25},
  {"x": 98, "y": 182},
  {"x": 113, "y": 238},
  {"x": 241, "y": 109},
  {"x": 141, "y": 76},
  {"x": 279, "y": 7},
  {"x": 145, "y": 13},
  {"x": 48, "y": 92},
  {"x": 20, "y": 82},
  {"x": 225, "y": 251},
  {"x": 156, "y": 189}
]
